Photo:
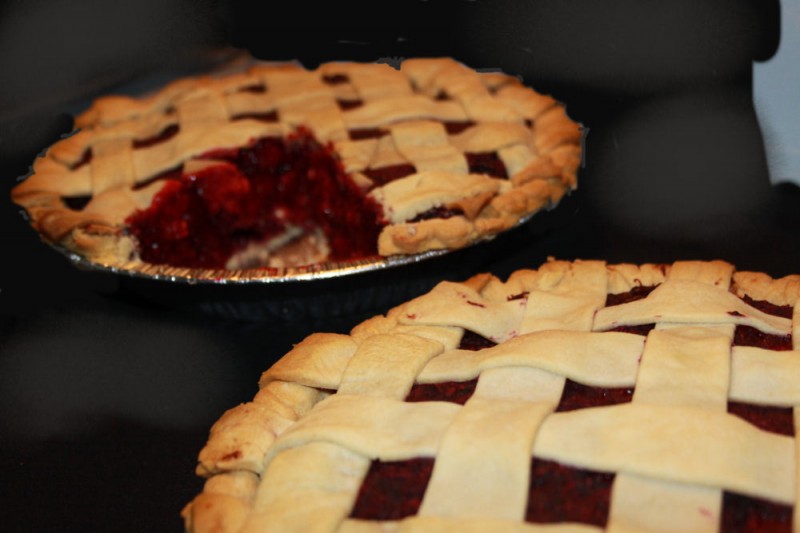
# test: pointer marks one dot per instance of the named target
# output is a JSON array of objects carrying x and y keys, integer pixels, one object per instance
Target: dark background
[{"x": 108, "y": 386}]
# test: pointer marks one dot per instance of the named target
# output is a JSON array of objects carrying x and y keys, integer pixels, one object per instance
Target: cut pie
[
  {"x": 580, "y": 396},
  {"x": 343, "y": 162}
]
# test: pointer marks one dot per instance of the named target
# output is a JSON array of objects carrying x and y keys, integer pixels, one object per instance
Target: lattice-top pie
[
  {"x": 582, "y": 396},
  {"x": 346, "y": 161}
]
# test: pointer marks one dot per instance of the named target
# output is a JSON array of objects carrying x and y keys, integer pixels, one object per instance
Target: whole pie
[
  {"x": 279, "y": 165},
  {"x": 581, "y": 396}
]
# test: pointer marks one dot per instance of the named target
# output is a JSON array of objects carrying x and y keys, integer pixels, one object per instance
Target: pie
[
  {"x": 581, "y": 395},
  {"x": 280, "y": 165}
]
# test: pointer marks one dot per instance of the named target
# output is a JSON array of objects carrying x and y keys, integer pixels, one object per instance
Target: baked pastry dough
[
  {"x": 637, "y": 383},
  {"x": 449, "y": 154}
]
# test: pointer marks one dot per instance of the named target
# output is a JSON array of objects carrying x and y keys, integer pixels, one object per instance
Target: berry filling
[
  {"x": 344, "y": 105},
  {"x": 577, "y": 396},
  {"x": 255, "y": 194},
  {"x": 455, "y": 127},
  {"x": 472, "y": 341},
  {"x": 267, "y": 116},
  {"x": 643, "y": 329},
  {"x": 383, "y": 175},
  {"x": 85, "y": 159},
  {"x": 747, "y": 514},
  {"x": 437, "y": 212},
  {"x": 486, "y": 163},
  {"x": 750, "y": 336},
  {"x": 560, "y": 493},
  {"x": 450, "y": 391},
  {"x": 778, "y": 420},
  {"x": 636, "y": 293},
  {"x": 358, "y": 134},
  {"x": 393, "y": 490},
  {"x": 166, "y": 134}
]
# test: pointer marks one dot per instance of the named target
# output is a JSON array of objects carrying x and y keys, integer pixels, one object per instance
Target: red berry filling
[
  {"x": 636, "y": 293},
  {"x": 745, "y": 514},
  {"x": 166, "y": 134},
  {"x": 486, "y": 163},
  {"x": 577, "y": 396},
  {"x": 774, "y": 419},
  {"x": 258, "y": 88},
  {"x": 85, "y": 159},
  {"x": 384, "y": 175},
  {"x": 455, "y": 127},
  {"x": 200, "y": 220},
  {"x": 266, "y": 116},
  {"x": 750, "y": 336},
  {"x": 450, "y": 391},
  {"x": 560, "y": 493},
  {"x": 472, "y": 341},
  {"x": 358, "y": 134},
  {"x": 437, "y": 212},
  {"x": 643, "y": 329},
  {"x": 393, "y": 490}
]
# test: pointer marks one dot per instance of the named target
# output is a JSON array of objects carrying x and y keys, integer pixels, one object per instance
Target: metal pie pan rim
[{"x": 269, "y": 275}]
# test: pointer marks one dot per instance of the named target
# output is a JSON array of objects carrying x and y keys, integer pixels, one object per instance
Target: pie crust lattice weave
[
  {"x": 448, "y": 128},
  {"x": 673, "y": 352}
]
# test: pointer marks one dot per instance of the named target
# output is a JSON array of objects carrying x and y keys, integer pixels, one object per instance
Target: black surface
[{"x": 108, "y": 389}]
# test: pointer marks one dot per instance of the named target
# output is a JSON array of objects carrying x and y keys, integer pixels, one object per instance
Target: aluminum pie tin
[
  {"x": 286, "y": 295},
  {"x": 265, "y": 275},
  {"x": 314, "y": 293}
]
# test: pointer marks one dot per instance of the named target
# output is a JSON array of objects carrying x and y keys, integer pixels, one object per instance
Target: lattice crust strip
[
  {"x": 691, "y": 347},
  {"x": 429, "y": 116}
]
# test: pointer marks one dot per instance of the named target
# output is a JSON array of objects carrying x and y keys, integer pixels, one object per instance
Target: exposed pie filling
[
  {"x": 577, "y": 396},
  {"x": 472, "y": 341},
  {"x": 383, "y": 175},
  {"x": 201, "y": 219},
  {"x": 451, "y": 391},
  {"x": 393, "y": 490},
  {"x": 743, "y": 513},
  {"x": 561, "y": 493},
  {"x": 255, "y": 194}
]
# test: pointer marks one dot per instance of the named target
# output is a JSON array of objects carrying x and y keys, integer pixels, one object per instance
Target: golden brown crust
[
  {"x": 530, "y": 132},
  {"x": 434, "y": 234}
]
